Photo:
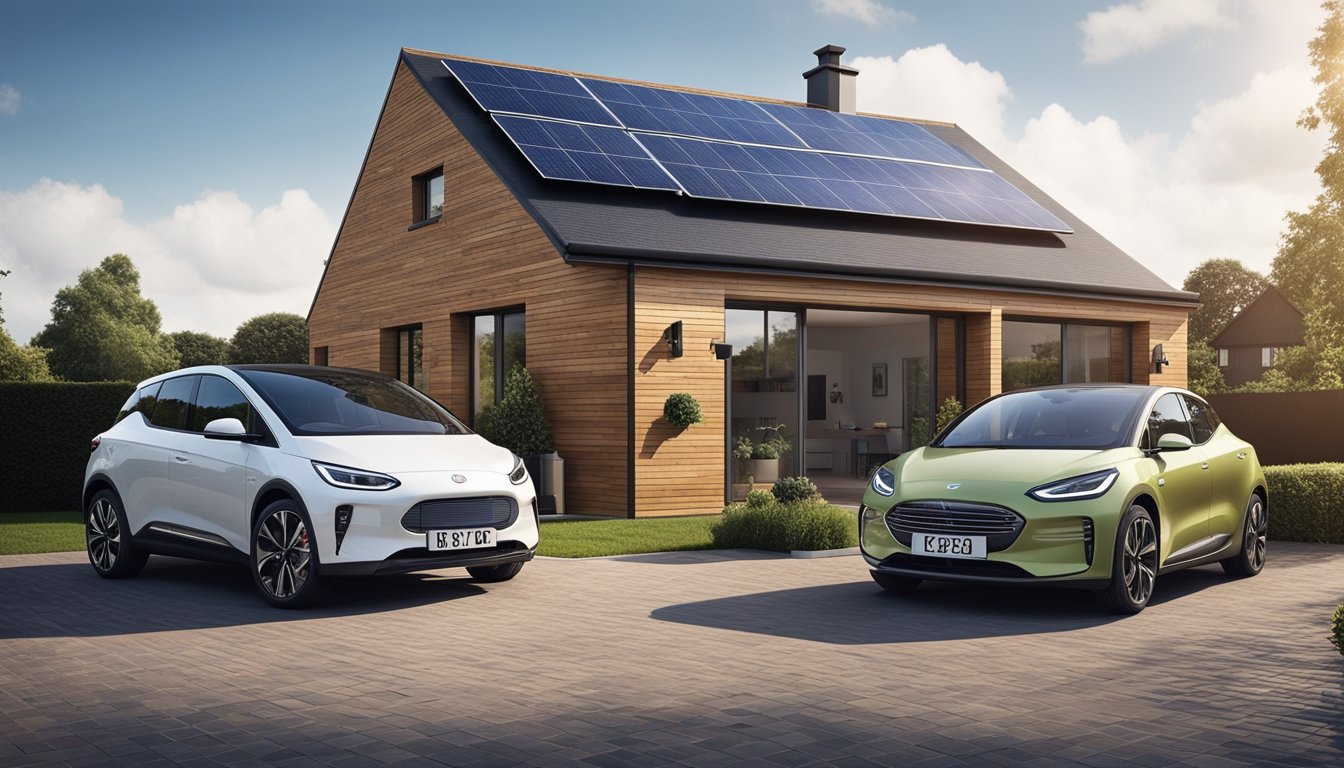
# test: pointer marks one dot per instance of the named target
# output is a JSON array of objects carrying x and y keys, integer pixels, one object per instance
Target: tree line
[{"x": 102, "y": 329}]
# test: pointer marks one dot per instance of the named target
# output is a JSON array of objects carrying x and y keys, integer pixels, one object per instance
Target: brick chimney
[{"x": 830, "y": 84}]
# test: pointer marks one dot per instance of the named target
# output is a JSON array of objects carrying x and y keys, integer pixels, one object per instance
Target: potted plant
[
  {"x": 518, "y": 422},
  {"x": 741, "y": 466},
  {"x": 766, "y": 453},
  {"x": 681, "y": 410}
]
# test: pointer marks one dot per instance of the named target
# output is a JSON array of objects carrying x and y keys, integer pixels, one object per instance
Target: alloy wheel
[
  {"x": 104, "y": 535},
  {"x": 1257, "y": 532},
  {"x": 1140, "y": 560},
  {"x": 282, "y": 553}
]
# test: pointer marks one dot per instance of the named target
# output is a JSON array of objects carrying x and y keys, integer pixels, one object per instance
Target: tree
[
  {"x": 200, "y": 348},
  {"x": 1204, "y": 375},
  {"x": 20, "y": 363},
  {"x": 518, "y": 420},
  {"x": 1225, "y": 287},
  {"x": 278, "y": 337},
  {"x": 102, "y": 329}
]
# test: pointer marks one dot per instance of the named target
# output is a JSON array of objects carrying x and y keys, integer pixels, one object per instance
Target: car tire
[
  {"x": 898, "y": 585},
  {"x": 1133, "y": 564},
  {"x": 1250, "y": 558},
  {"x": 493, "y": 574},
  {"x": 107, "y": 538},
  {"x": 285, "y": 562}
]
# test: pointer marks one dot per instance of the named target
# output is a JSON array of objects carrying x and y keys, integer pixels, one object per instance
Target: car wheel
[
  {"x": 1134, "y": 565},
  {"x": 895, "y": 584},
  {"x": 1250, "y": 559},
  {"x": 108, "y": 538},
  {"x": 284, "y": 556},
  {"x": 491, "y": 574}
]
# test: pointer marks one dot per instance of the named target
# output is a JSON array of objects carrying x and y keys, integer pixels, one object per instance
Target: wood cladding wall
[{"x": 484, "y": 253}]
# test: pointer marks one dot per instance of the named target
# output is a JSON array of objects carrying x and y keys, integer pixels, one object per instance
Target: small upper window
[
  {"x": 1267, "y": 357},
  {"x": 1222, "y": 358},
  {"x": 428, "y": 194}
]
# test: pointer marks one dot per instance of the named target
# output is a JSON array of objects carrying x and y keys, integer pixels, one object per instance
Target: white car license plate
[
  {"x": 943, "y": 545},
  {"x": 463, "y": 538}
]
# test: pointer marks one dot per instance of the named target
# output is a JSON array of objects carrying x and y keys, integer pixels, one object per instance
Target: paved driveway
[{"x": 698, "y": 660}]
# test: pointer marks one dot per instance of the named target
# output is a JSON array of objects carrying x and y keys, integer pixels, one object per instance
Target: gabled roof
[
  {"x": 1269, "y": 321},
  {"x": 594, "y": 223}
]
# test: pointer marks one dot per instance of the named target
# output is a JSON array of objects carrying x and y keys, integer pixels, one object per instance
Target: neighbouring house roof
[
  {"x": 1270, "y": 320},
  {"x": 594, "y": 223}
]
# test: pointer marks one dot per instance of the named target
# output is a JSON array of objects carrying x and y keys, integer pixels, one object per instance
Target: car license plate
[
  {"x": 463, "y": 538},
  {"x": 942, "y": 545}
]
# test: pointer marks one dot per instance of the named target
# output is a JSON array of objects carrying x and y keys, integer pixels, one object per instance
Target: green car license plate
[{"x": 943, "y": 545}]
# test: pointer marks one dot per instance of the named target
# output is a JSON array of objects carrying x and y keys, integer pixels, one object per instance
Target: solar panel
[
  {"x": 528, "y": 92},
  {"x": 846, "y": 183},
  {"x": 604, "y": 132},
  {"x": 854, "y": 134},
  {"x": 591, "y": 153},
  {"x": 659, "y": 110}
]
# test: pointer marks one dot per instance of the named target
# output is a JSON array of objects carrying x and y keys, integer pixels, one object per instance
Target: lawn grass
[
  {"x": 27, "y": 533},
  {"x": 596, "y": 538}
]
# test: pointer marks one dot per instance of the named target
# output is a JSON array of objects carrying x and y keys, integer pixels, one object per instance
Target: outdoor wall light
[
  {"x": 1159, "y": 359},
  {"x": 672, "y": 338},
  {"x": 722, "y": 351}
]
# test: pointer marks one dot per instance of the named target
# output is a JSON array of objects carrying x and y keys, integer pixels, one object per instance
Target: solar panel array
[{"x": 604, "y": 132}]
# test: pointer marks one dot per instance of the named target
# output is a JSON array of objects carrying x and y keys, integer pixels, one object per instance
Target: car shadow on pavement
[
  {"x": 70, "y": 600},
  {"x": 861, "y": 613}
]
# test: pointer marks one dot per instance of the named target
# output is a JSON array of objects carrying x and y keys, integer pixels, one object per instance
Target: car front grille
[
  {"x": 446, "y": 514},
  {"x": 1000, "y": 526}
]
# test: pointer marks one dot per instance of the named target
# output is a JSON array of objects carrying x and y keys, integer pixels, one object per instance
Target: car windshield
[
  {"x": 1085, "y": 417},
  {"x": 336, "y": 402}
]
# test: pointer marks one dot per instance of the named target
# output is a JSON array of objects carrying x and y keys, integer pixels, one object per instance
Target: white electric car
[{"x": 302, "y": 473}]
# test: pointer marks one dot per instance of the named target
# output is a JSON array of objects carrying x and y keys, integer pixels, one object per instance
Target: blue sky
[{"x": 217, "y": 143}]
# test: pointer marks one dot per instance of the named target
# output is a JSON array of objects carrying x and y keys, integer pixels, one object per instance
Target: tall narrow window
[
  {"x": 411, "y": 357},
  {"x": 427, "y": 196},
  {"x": 1222, "y": 358},
  {"x": 500, "y": 342},
  {"x": 1268, "y": 356}
]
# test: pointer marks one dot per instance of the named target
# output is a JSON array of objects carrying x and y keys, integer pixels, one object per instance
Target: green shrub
[
  {"x": 758, "y": 499},
  {"x": 47, "y": 428},
  {"x": 764, "y": 451},
  {"x": 518, "y": 421},
  {"x": 1306, "y": 502},
  {"x": 780, "y": 527},
  {"x": 1337, "y": 629},
  {"x": 788, "y": 489},
  {"x": 682, "y": 410},
  {"x": 947, "y": 413}
]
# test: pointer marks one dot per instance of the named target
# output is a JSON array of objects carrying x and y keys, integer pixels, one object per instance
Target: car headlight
[
  {"x": 884, "y": 481},
  {"x": 1088, "y": 486},
  {"x": 358, "y": 479},
  {"x": 518, "y": 475}
]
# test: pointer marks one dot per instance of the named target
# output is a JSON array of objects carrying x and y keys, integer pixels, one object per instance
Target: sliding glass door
[{"x": 763, "y": 396}]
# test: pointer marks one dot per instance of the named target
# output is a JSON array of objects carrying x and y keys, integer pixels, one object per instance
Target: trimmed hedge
[
  {"x": 763, "y": 522},
  {"x": 47, "y": 428},
  {"x": 1306, "y": 502}
]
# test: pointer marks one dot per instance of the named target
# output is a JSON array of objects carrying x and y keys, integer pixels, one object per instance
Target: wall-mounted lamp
[
  {"x": 721, "y": 351},
  {"x": 672, "y": 338},
  {"x": 1159, "y": 359}
]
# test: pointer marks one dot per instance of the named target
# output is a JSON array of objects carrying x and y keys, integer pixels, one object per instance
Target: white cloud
[
  {"x": 1123, "y": 30},
  {"x": 211, "y": 265},
  {"x": 870, "y": 13},
  {"x": 10, "y": 99},
  {"x": 1217, "y": 190},
  {"x": 933, "y": 84}
]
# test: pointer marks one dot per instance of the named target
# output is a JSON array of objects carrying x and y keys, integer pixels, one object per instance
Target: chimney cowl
[{"x": 830, "y": 84}]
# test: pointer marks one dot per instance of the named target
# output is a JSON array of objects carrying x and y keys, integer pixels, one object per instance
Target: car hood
[
  {"x": 993, "y": 475},
  {"x": 408, "y": 453}
]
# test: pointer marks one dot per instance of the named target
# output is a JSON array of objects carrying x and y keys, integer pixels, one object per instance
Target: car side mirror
[
  {"x": 227, "y": 429},
  {"x": 1174, "y": 442}
]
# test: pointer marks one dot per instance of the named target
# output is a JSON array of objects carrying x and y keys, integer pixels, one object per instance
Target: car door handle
[
  {"x": 1241, "y": 455},
  {"x": 1205, "y": 465},
  {"x": 182, "y": 459}
]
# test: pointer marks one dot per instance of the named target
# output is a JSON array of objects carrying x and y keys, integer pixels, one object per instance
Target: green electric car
[{"x": 1101, "y": 487}]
